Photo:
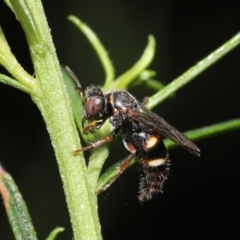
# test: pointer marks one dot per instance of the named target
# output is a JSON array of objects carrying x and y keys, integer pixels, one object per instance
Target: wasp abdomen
[
  {"x": 154, "y": 165},
  {"x": 152, "y": 179}
]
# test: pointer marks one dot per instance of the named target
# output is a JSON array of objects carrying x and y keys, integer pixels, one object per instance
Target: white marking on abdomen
[
  {"x": 156, "y": 162},
  {"x": 151, "y": 142}
]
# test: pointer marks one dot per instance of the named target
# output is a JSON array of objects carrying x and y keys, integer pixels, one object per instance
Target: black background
[{"x": 201, "y": 197}]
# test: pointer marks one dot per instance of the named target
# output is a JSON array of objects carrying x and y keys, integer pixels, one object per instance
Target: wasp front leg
[
  {"x": 99, "y": 142},
  {"x": 90, "y": 128}
]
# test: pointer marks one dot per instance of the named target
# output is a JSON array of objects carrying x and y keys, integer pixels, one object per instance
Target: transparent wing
[{"x": 160, "y": 126}]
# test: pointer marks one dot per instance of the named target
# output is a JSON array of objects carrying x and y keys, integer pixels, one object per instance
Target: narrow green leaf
[
  {"x": 76, "y": 102},
  {"x": 16, "y": 208},
  {"x": 126, "y": 78},
  {"x": 97, "y": 46},
  {"x": 150, "y": 83},
  {"x": 146, "y": 79},
  {"x": 154, "y": 84},
  {"x": 14, "y": 83},
  {"x": 54, "y": 233},
  {"x": 8, "y": 60}
]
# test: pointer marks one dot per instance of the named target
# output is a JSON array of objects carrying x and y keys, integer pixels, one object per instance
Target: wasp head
[{"x": 93, "y": 102}]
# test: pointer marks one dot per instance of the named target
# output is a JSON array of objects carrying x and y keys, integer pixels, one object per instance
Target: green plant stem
[
  {"x": 96, "y": 161},
  {"x": 193, "y": 72},
  {"x": 54, "y": 105}
]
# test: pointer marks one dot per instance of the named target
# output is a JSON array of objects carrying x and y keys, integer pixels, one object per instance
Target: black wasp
[{"x": 142, "y": 134}]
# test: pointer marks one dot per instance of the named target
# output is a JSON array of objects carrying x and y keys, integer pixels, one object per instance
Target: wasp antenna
[
  {"x": 76, "y": 80},
  {"x": 73, "y": 76}
]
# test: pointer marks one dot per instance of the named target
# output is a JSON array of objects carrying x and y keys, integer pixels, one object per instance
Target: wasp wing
[{"x": 161, "y": 127}]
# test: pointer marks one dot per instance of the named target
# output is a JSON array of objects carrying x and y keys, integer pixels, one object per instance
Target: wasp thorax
[{"x": 93, "y": 106}]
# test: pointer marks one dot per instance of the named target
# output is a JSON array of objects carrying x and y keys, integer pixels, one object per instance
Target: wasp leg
[
  {"x": 98, "y": 142},
  {"x": 145, "y": 101},
  {"x": 91, "y": 126},
  {"x": 130, "y": 147},
  {"x": 127, "y": 144},
  {"x": 121, "y": 169}
]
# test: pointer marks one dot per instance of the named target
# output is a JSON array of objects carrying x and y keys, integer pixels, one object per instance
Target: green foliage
[
  {"x": 48, "y": 91},
  {"x": 16, "y": 208}
]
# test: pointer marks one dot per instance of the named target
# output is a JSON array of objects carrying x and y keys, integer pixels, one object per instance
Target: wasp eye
[{"x": 93, "y": 106}]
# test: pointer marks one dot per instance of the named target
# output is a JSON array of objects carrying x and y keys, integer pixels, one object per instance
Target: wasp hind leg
[
  {"x": 121, "y": 169},
  {"x": 129, "y": 146}
]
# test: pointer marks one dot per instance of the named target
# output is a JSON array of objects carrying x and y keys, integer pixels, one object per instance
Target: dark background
[{"x": 201, "y": 197}]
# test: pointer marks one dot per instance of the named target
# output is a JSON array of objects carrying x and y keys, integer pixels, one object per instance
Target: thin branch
[
  {"x": 13, "y": 83},
  {"x": 194, "y": 71}
]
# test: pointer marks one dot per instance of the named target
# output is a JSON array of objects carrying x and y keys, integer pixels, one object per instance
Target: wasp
[{"x": 143, "y": 133}]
